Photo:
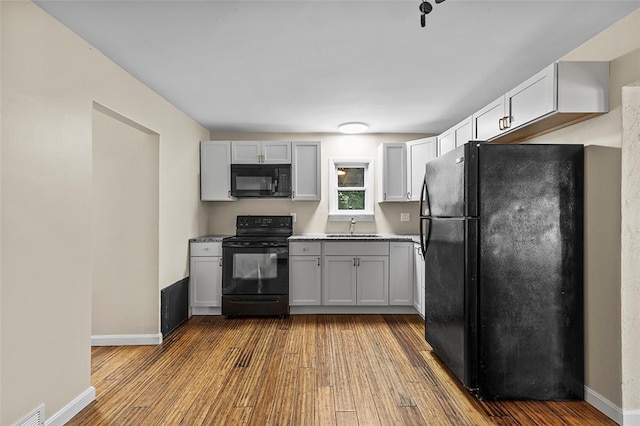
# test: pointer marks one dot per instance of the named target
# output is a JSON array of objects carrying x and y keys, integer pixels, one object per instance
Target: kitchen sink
[{"x": 352, "y": 235}]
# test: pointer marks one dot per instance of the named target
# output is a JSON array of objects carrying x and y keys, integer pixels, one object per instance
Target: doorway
[{"x": 125, "y": 292}]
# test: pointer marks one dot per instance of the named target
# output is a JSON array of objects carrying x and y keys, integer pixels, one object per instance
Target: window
[{"x": 351, "y": 190}]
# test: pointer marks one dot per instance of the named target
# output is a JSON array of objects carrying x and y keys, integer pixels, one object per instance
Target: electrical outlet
[
  {"x": 293, "y": 217},
  {"x": 405, "y": 217}
]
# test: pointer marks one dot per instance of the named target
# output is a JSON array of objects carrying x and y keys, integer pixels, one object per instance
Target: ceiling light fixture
[
  {"x": 353, "y": 127},
  {"x": 425, "y": 9}
]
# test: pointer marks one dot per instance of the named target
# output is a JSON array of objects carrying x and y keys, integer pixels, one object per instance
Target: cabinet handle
[
  {"x": 354, "y": 261},
  {"x": 507, "y": 122},
  {"x": 206, "y": 249},
  {"x": 384, "y": 195},
  {"x": 220, "y": 262},
  {"x": 305, "y": 249},
  {"x": 228, "y": 194},
  {"x": 500, "y": 127},
  {"x": 408, "y": 195},
  {"x": 358, "y": 261},
  {"x": 318, "y": 261}
]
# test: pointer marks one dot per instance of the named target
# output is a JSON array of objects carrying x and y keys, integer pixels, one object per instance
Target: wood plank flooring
[{"x": 300, "y": 370}]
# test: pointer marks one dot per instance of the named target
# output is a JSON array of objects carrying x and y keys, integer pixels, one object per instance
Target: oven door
[{"x": 255, "y": 269}]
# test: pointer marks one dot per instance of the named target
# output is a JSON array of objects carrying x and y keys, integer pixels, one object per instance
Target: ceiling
[{"x": 307, "y": 66}]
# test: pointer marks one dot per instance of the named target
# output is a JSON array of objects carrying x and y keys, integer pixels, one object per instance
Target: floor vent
[
  {"x": 174, "y": 306},
  {"x": 36, "y": 418}
]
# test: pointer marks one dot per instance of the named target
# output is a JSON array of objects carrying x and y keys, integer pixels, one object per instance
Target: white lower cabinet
[
  {"x": 401, "y": 256},
  {"x": 355, "y": 273},
  {"x": 339, "y": 283},
  {"x": 205, "y": 275},
  {"x": 356, "y": 280},
  {"x": 305, "y": 273},
  {"x": 372, "y": 280}
]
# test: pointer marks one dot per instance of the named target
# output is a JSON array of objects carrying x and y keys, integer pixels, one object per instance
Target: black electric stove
[{"x": 255, "y": 267}]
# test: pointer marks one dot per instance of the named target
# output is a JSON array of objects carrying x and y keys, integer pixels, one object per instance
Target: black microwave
[{"x": 261, "y": 180}]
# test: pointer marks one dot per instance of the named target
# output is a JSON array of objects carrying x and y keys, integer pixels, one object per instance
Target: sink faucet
[{"x": 352, "y": 223}]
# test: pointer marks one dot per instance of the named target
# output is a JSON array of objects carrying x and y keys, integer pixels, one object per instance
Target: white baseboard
[
  {"x": 126, "y": 339},
  {"x": 72, "y": 408},
  {"x": 601, "y": 403},
  {"x": 336, "y": 309},
  {"x": 631, "y": 417}
]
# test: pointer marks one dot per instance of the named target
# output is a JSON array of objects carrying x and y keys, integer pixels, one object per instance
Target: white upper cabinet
[
  {"x": 456, "y": 136},
  {"x": 392, "y": 170},
  {"x": 401, "y": 168},
  {"x": 561, "y": 94},
  {"x": 418, "y": 153},
  {"x": 306, "y": 171},
  {"x": 488, "y": 121},
  {"x": 255, "y": 152},
  {"x": 215, "y": 171},
  {"x": 531, "y": 99},
  {"x": 463, "y": 131},
  {"x": 446, "y": 142}
]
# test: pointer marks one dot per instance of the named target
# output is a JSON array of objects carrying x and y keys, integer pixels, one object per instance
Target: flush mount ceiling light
[
  {"x": 353, "y": 127},
  {"x": 425, "y": 9}
]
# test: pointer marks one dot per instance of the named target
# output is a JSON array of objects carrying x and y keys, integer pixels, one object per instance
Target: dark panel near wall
[{"x": 174, "y": 306}]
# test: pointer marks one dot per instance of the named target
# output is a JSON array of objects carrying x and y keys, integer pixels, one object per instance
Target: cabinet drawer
[
  {"x": 356, "y": 248},
  {"x": 206, "y": 249},
  {"x": 305, "y": 248}
]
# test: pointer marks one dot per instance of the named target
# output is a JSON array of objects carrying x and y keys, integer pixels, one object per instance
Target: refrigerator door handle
[
  {"x": 424, "y": 198},
  {"x": 424, "y": 236}
]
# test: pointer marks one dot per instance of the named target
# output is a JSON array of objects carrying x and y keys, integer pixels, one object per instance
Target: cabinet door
[
  {"x": 306, "y": 171},
  {"x": 533, "y": 99},
  {"x": 205, "y": 281},
  {"x": 276, "y": 152},
  {"x": 339, "y": 280},
  {"x": 215, "y": 171},
  {"x": 463, "y": 132},
  {"x": 373, "y": 280},
  {"x": 487, "y": 121},
  {"x": 305, "y": 285},
  {"x": 394, "y": 172},
  {"x": 401, "y": 283},
  {"x": 446, "y": 142},
  {"x": 246, "y": 152},
  {"x": 418, "y": 153}
]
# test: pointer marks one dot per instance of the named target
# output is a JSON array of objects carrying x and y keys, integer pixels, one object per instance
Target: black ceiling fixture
[{"x": 426, "y": 8}]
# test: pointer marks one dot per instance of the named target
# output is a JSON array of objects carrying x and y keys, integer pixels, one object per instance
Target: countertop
[
  {"x": 322, "y": 237},
  {"x": 208, "y": 239},
  {"x": 354, "y": 237}
]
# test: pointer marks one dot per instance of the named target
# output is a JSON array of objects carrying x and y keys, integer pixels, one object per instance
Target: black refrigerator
[{"x": 501, "y": 231}]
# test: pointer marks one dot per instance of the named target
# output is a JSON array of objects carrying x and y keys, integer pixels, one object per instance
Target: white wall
[
  {"x": 312, "y": 216},
  {"x": 50, "y": 79}
]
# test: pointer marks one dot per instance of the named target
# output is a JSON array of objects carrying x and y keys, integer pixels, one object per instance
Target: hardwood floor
[{"x": 300, "y": 370}]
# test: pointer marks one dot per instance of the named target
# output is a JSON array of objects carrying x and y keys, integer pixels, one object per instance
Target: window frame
[{"x": 365, "y": 215}]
